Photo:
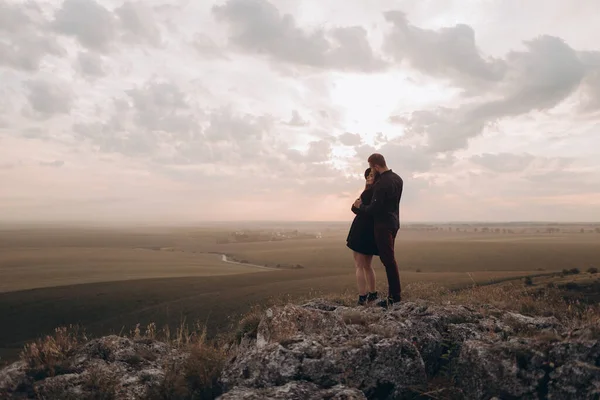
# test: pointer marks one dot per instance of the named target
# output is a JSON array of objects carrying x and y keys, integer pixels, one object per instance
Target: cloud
[
  {"x": 23, "y": 45},
  {"x": 206, "y": 47},
  {"x": 55, "y": 163},
  {"x": 350, "y": 139},
  {"x": 590, "y": 101},
  {"x": 537, "y": 79},
  {"x": 90, "y": 64},
  {"x": 503, "y": 162},
  {"x": 258, "y": 27},
  {"x": 97, "y": 28},
  {"x": 138, "y": 24},
  {"x": 49, "y": 98},
  {"x": 297, "y": 120},
  {"x": 262, "y": 105},
  {"x": 158, "y": 123},
  {"x": 449, "y": 53},
  {"x": 523, "y": 162},
  {"x": 89, "y": 22}
]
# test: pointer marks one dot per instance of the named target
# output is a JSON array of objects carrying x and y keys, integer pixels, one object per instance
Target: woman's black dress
[{"x": 361, "y": 237}]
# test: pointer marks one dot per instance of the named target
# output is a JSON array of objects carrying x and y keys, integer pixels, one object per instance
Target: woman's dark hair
[{"x": 375, "y": 177}]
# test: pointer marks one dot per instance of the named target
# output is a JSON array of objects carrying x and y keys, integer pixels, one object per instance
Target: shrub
[
  {"x": 528, "y": 281},
  {"x": 592, "y": 270},
  {"x": 197, "y": 377},
  {"x": 248, "y": 325},
  {"x": 202, "y": 370},
  {"x": 49, "y": 356}
]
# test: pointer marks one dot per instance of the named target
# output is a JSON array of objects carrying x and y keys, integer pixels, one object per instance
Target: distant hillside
[{"x": 511, "y": 340}]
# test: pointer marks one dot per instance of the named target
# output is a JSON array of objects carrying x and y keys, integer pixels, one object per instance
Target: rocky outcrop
[
  {"x": 321, "y": 350},
  {"x": 476, "y": 353},
  {"x": 111, "y": 367}
]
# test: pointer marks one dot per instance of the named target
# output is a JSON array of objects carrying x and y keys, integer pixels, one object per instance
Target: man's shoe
[
  {"x": 388, "y": 302},
  {"x": 372, "y": 296},
  {"x": 362, "y": 300}
]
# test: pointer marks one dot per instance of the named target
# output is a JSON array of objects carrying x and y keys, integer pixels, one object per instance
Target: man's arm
[{"x": 377, "y": 202}]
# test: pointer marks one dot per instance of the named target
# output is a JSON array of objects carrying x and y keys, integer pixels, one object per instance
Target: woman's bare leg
[
  {"x": 361, "y": 281},
  {"x": 369, "y": 273}
]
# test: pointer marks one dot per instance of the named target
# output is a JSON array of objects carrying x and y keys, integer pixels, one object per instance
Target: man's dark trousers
[{"x": 385, "y": 238}]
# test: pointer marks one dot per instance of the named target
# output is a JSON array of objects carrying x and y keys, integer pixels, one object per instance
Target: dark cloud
[
  {"x": 257, "y": 27},
  {"x": 90, "y": 64},
  {"x": 49, "y": 98},
  {"x": 297, "y": 120},
  {"x": 350, "y": 139},
  {"x": 446, "y": 129},
  {"x": 97, "y": 28},
  {"x": 318, "y": 151},
  {"x": 207, "y": 47},
  {"x": 539, "y": 78},
  {"x": 163, "y": 106},
  {"x": 22, "y": 44},
  {"x": 449, "y": 52},
  {"x": 90, "y": 23},
  {"x": 54, "y": 164},
  {"x": 138, "y": 23},
  {"x": 151, "y": 119}
]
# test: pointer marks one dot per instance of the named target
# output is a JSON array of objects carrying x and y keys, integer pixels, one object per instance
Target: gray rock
[
  {"x": 322, "y": 350},
  {"x": 122, "y": 367},
  {"x": 319, "y": 347}
]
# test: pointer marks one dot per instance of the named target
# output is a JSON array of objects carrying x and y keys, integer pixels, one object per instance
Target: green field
[{"x": 109, "y": 279}]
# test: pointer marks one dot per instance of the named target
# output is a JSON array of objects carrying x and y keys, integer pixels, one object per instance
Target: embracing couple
[{"x": 373, "y": 231}]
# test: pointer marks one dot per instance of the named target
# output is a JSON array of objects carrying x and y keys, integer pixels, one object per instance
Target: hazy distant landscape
[{"x": 108, "y": 279}]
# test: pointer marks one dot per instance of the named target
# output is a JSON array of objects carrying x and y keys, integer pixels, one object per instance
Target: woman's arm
[{"x": 357, "y": 210}]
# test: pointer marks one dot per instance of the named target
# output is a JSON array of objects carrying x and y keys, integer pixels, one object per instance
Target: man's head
[{"x": 377, "y": 163}]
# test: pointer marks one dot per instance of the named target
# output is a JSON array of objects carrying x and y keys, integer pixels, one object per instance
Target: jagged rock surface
[
  {"x": 321, "y": 350},
  {"x": 393, "y": 354},
  {"x": 121, "y": 367}
]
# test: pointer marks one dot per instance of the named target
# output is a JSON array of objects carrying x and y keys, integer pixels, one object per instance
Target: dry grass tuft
[
  {"x": 101, "y": 384},
  {"x": 197, "y": 377},
  {"x": 49, "y": 356},
  {"x": 248, "y": 324},
  {"x": 533, "y": 301}
]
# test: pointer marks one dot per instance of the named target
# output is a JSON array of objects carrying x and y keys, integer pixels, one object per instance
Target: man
[{"x": 384, "y": 208}]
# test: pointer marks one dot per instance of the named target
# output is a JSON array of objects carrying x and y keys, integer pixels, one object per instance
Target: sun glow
[{"x": 368, "y": 101}]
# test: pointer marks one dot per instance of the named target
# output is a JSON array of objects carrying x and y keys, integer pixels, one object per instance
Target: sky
[{"x": 189, "y": 111}]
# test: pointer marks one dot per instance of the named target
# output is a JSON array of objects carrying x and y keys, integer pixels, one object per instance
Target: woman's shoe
[
  {"x": 372, "y": 296},
  {"x": 362, "y": 300}
]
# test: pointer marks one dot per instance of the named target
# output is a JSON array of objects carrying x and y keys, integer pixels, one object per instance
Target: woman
[{"x": 361, "y": 239}]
